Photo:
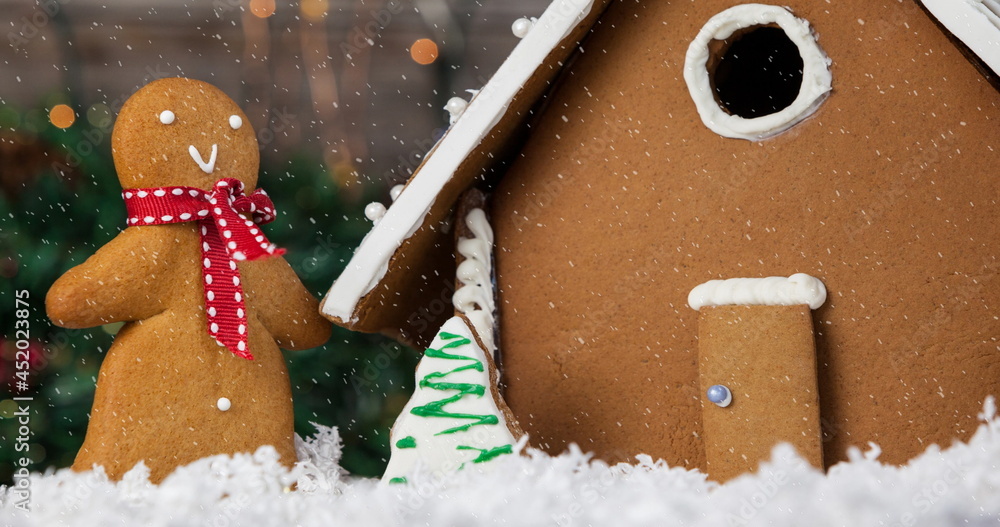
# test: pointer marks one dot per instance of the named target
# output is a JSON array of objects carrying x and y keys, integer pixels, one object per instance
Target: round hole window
[{"x": 756, "y": 70}]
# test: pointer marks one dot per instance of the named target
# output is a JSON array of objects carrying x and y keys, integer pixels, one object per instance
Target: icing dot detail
[
  {"x": 235, "y": 122},
  {"x": 374, "y": 211},
  {"x": 455, "y": 107},
  {"x": 522, "y": 26},
  {"x": 167, "y": 117},
  {"x": 224, "y": 404},
  {"x": 159, "y": 192},
  {"x": 720, "y": 395}
]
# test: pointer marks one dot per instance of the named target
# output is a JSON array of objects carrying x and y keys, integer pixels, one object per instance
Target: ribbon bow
[{"x": 226, "y": 238}]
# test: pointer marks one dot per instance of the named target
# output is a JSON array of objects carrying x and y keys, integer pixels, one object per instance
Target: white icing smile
[{"x": 209, "y": 167}]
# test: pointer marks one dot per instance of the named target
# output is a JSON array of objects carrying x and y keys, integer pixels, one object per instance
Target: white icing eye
[
  {"x": 235, "y": 122},
  {"x": 166, "y": 117}
]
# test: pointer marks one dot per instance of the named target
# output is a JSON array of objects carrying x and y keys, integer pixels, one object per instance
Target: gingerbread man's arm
[
  {"x": 288, "y": 311},
  {"x": 122, "y": 281}
]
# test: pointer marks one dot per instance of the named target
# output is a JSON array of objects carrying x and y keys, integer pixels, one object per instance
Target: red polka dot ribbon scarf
[{"x": 226, "y": 238}]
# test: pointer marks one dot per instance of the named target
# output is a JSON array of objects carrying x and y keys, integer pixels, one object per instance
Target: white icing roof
[
  {"x": 975, "y": 22},
  {"x": 371, "y": 260}
]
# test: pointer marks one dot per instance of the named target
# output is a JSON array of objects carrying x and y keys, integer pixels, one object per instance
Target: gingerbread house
[{"x": 718, "y": 225}]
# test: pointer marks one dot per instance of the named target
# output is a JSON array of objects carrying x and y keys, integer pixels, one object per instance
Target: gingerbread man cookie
[{"x": 206, "y": 299}]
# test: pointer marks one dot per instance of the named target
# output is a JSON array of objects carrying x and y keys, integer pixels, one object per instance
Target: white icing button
[
  {"x": 456, "y": 107},
  {"x": 223, "y": 404},
  {"x": 521, "y": 27},
  {"x": 235, "y": 122},
  {"x": 166, "y": 117},
  {"x": 374, "y": 211},
  {"x": 395, "y": 192}
]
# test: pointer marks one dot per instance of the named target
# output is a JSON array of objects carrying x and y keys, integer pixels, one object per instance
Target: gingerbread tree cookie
[
  {"x": 456, "y": 417},
  {"x": 206, "y": 299}
]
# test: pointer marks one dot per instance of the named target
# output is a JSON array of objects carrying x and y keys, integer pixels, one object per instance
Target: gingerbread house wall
[{"x": 622, "y": 201}]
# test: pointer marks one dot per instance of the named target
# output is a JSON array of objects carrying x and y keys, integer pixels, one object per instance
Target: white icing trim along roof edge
[
  {"x": 371, "y": 260},
  {"x": 974, "y": 22}
]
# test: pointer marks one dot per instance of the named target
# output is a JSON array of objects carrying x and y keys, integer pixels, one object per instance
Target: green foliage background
[{"x": 60, "y": 201}]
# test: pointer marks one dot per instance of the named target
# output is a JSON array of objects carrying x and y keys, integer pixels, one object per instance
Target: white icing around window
[{"x": 816, "y": 78}]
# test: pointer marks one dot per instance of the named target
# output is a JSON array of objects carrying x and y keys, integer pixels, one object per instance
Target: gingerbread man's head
[{"x": 183, "y": 132}]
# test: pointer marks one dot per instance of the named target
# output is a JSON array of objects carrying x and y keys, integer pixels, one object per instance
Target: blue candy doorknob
[{"x": 720, "y": 395}]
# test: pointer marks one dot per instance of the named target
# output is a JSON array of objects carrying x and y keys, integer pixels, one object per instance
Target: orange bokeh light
[
  {"x": 424, "y": 51},
  {"x": 262, "y": 8},
  {"x": 62, "y": 116},
  {"x": 314, "y": 10}
]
